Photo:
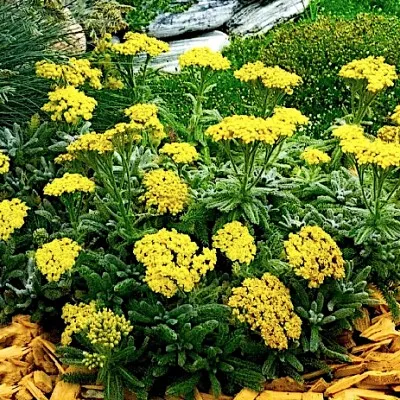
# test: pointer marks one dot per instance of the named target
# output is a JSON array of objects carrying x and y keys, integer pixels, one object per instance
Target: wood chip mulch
[{"x": 29, "y": 368}]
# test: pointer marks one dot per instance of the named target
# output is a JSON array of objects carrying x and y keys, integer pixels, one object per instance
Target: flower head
[
  {"x": 271, "y": 77},
  {"x": 57, "y": 257},
  {"x": 4, "y": 163},
  {"x": 181, "y": 153},
  {"x": 314, "y": 255},
  {"x": 376, "y": 74},
  {"x": 315, "y": 157},
  {"x": 137, "y": 43},
  {"x": 69, "y": 183},
  {"x": 204, "y": 57},
  {"x": 265, "y": 305},
  {"x": 90, "y": 142},
  {"x": 395, "y": 117},
  {"x": 235, "y": 241},
  {"x": 12, "y": 216},
  {"x": 389, "y": 134},
  {"x": 70, "y": 105},
  {"x": 171, "y": 261},
  {"x": 166, "y": 191}
]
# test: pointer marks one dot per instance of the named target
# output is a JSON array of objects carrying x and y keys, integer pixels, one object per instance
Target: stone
[
  {"x": 168, "y": 62},
  {"x": 256, "y": 18},
  {"x": 205, "y": 15}
]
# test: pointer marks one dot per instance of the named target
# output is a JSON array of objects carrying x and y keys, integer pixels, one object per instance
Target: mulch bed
[{"x": 29, "y": 368}]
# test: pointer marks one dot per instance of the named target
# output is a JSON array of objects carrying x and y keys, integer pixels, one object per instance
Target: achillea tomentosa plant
[{"x": 208, "y": 260}]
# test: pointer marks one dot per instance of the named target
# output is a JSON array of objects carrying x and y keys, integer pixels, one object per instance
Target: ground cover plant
[{"x": 215, "y": 250}]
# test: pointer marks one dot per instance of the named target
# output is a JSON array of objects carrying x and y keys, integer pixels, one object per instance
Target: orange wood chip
[
  {"x": 272, "y": 395},
  {"x": 370, "y": 346},
  {"x": 246, "y": 394},
  {"x": 65, "y": 391},
  {"x": 350, "y": 370},
  {"x": 285, "y": 385},
  {"x": 43, "y": 381},
  {"x": 385, "y": 328},
  {"x": 364, "y": 322},
  {"x": 36, "y": 393},
  {"x": 313, "y": 396},
  {"x": 365, "y": 394},
  {"x": 207, "y": 396},
  {"x": 344, "y": 383},
  {"x": 382, "y": 378}
]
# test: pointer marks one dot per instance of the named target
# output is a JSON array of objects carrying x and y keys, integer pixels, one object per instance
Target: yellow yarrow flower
[
  {"x": 106, "y": 329},
  {"x": 70, "y": 105},
  {"x": 249, "y": 129},
  {"x": 75, "y": 73},
  {"x": 166, "y": 191},
  {"x": 366, "y": 151},
  {"x": 395, "y": 117},
  {"x": 265, "y": 305},
  {"x": 373, "y": 70},
  {"x": 4, "y": 163},
  {"x": 235, "y": 241},
  {"x": 93, "y": 360},
  {"x": 271, "y": 77},
  {"x": 314, "y": 256},
  {"x": 390, "y": 134},
  {"x": 57, "y": 257},
  {"x": 124, "y": 131},
  {"x": 12, "y": 217},
  {"x": 113, "y": 83},
  {"x": 181, "y": 153},
  {"x": 137, "y": 43},
  {"x": 96, "y": 142},
  {"x": 315, "y": 157},
  {"x": 69, "y": 183},
  {"x": 62, "y": 158},
  {"x": 171, "y": 261},
  {"x": 76, "y": 318},
  {"x": 204, "y": 57}
]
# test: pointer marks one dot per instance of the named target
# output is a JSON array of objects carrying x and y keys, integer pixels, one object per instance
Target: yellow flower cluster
[
  {"x": 166, "y": 191},
  {"x": 390, "y": 134},
  {"x": 315, "y": 157},
  {"x": 181, "y": 153},
  {"x": 204, "y": 57},
  {"x": 113, "y": 83},
  {"x": 12, "y": 215},
  {"x": 136, "y": 43},
  {"x": 124, "y": 131},
  {"x": 314, "y": 255},
  {"x": 4, "y": 163},
  {"x": 69, "y": 104},
  {"x": 265, "y": 304},
  {"x": 395, "y": 117},
  {"x": 93, "y": 360},
  {"x": 235, "y": 241},
  {"x": 69, "y": 183},
  {"x": 271, "y": 77},
  {"x": 249, "y": 129},
  {"x": 373, "y": 70},
  {"x": 103, "y": 44},
  {"x": 57, "y": 257},
  {"x": 107, "y": 329},
  {"x": 76, "y": 318},
  {"x": 145, "y": 116},
  {"x": 96, "y": 142},
  {"x": 75, "y": 73},
  {"x": 366, "y": 151},
  {"x": 171, "y": 261}
]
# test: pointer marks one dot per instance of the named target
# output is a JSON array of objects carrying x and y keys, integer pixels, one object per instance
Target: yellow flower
[
  {"x": 204, "y": 57},
  {"x": 390, "y": 134},
  {"x": 314, "y": 255},
  {"x": 249, "y": 129},
  {"x": 69, "y": 183},
  {"x": 113, "y": 83},
  {"x": 93, "y": 360},
  {"x": 171, "y": 261},
  {"x": 366, "y": 151},
  {"x": 166, "y": 191},
  {"x": 376, "y": 74},
  {"x": 75, "y": 73},
  {"x": 70, "y": 105},
  {"x": 181, "y": 153},
  {"x": 4, "y": 163},
  {"x": 124, "y": 132},
  {"x": 12, "y": 215},
  {"x": 235, "y": 241},
  {"x": 315, "y": 157},
  {"x": 62, "y": 158},
  {"x": 271, "y": 77},
  {"x": 265, "y": 305},
  {"x": 137, "y": 43},
  {"x": 98, "y": 143},
  {"x": 395, "y": 117},
  {"x": 76, "y": 318},
  {"x": 107, "y": 329},
  {"x": 57, "y": 257}
]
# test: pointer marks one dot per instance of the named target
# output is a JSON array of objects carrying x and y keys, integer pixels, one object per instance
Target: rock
[
  {"x": 168, "y": 62},
  {"x": 205, "y": 15},
  {"x": 256, "y": 18}
]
